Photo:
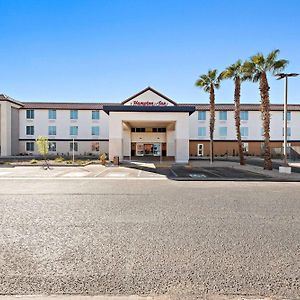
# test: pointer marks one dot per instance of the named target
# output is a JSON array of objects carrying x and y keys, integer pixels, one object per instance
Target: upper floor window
[
  {"x": 289, "y": 115},
  {"x": 201, "y": 131},
  {"x": 95, "y": 115},
  {"x": 95, "y": 130},
  {"x": 29, "y": 130},
  {"x": 29, "y": 114},
  {"x": 73, "y": 130},
  {"x": 223, "y": 131},
  {"x": 201, "y": 115},
  {"x": 51, "y": 130},
  {"x": 244, "y": 131},
  {"x": 244, "y": 115},
  {"x": 73, "y": 114},
  {"x": 222, "y": 115},
  {"x": 52, "y": 114}
]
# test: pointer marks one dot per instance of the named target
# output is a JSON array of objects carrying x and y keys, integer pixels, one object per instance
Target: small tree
[{"x": 43, "y": 148}]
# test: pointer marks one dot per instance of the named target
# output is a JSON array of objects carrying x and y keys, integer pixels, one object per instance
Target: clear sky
[{"x": 107, "y": 50}]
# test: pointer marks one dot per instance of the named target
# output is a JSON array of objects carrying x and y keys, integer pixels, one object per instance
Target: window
[
  {"x": 202, "y": 131},
  {"x": 201, "y": 115},
  {"x": 51, "y": 130},
  {"x": 75, "y": 146},
  {"x": 289, "y": 131},
  {"x": 29, "y": 130},
  {"x": 95, "y": 115},
  {"x": 30, "y": 114},
  {"x": 95, "y": 130},
  {"x": 73, "y": 114},
  {"x": 245, "y": 147},
  {"x": 52, "y": 146},
  {"x": 140, "y": 129},
  {"x": 74, "y": 130},
  {"x": 200, "y": 150},
  {"x": 244, "y": 115},
  {"x": 244, "y": 131},
  {"x": 289, "y": 115},
  {"x": 52, "y": 114},
  {"x": 96, "y": 146},
  {"x": 159, "y": 129},
  {"x": 223, "y": 131},
  {"x": 222, "y": 115},
  {"x": 30, "y": 146}
]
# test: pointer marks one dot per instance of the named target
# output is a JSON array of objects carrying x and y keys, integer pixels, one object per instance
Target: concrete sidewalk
[{"x": 166, "y": 297}]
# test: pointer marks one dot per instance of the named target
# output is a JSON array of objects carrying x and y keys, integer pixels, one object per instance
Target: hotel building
[{"x": 146, "y": 124}]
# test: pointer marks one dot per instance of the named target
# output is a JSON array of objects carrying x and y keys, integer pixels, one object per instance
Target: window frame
[
  {"x": 75, "y": 147},
  {"x": 200, "y": 112},
  {"x": 74, "y": 111},
  {"x": 97, "y": 129},
  {"x": 202, "y": 128},
  {"x": 221, "y": 112},
  {"x": 51, "y": 126},
  {"x": 226, "y": 129},
  {"x": 29, "y": 143},
  {"x": 72, "y": 134},
  {"x": 50, "y": 111},
  {"x": 51, "y": 144},
  {"x": 95, "y": 112},
  {"x": 27, "y": 127},
  {"x": 244, "y": 112},
  {"x": 29, "y": 116}
]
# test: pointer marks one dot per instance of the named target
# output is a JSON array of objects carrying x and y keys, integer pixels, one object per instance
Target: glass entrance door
[
  {"x": 139, "y": 149},
  {"x": 156, "y": 149}
]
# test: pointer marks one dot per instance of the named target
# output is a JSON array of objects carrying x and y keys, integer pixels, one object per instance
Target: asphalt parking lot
[
  {"x": 149, "y": 237},
  {"x": 133, "y": 171}
]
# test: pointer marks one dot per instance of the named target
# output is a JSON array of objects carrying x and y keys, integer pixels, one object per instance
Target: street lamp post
[{"x": 285, "y": 112}]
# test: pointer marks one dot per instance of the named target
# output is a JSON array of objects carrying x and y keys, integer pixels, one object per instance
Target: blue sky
[{"x": 107, "y": 50}]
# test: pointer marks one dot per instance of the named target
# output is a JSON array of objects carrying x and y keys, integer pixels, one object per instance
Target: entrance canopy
[{"x": 149, "y": 122}]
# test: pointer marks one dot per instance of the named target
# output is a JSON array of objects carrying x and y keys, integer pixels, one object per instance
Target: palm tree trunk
[
  {"x": 265, "y": 110},
  {"x": 212, "y": 120},
  {"x": 237, "y": 110}
]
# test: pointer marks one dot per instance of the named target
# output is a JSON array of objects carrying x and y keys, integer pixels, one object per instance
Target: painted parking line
[
  {"x": 99, "y": 173},
  {"x": 173, "y": 172}
]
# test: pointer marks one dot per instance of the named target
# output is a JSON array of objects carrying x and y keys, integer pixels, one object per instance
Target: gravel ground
[{"x": 149, "y": 238}]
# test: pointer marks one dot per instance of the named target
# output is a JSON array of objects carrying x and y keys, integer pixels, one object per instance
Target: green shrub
[
  {"x": 69, "y": 162},
  {"x": 59, "y": 159},
  {"x": 33, "y": 161}
]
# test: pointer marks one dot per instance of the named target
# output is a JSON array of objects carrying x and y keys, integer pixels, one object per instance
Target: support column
[
  {"x": 182, "y": 140},
  {"x": 115, "y": 146},
  {"x": 5, "y": 128}
]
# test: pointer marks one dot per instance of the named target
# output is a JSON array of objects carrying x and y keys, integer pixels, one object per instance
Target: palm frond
[
  {"x": 279, "y": 65},
  {"x": 258, "y": 59},
  {"x": 271, "y": 57}
]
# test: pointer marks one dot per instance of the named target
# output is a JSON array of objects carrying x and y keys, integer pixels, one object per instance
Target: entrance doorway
[{"x": 148, "y": 149}]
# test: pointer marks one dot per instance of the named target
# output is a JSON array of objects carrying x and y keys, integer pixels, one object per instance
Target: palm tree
[
  {"x": 209, "y": 82},
  {"x": 235, "y": 72},
  {"x": 256, "y": 69}
]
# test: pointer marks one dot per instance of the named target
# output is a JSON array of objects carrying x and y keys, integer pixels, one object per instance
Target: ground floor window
[
  {"x": 245, "y": 147},
  {"x": 200, "y": 150},
  {"x": 74, "y": 145},
  {"x": 30, "y": 146},
  {"x": 96, "y": 146},
  {"x": 52, "y": 146}
]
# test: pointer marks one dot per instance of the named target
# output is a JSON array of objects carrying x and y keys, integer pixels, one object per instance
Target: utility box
[{"x": 116, "y": 160}]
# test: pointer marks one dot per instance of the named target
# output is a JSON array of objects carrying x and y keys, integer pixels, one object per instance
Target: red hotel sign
[{"x": 149, "y": 103}]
